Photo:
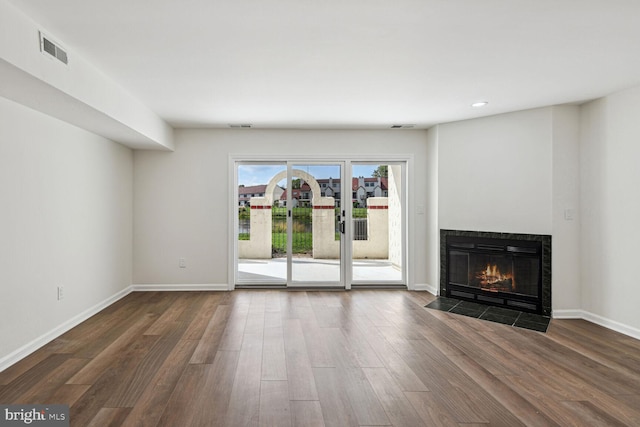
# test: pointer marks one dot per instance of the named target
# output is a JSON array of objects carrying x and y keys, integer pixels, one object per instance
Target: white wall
[
  {"x": 431, "y": 209},
  {"x": 182, "y": 198},
  {"x": 610, "y": 209},
  {"x": 66, "y": 220},
  {"x": 495, "y": 173},
  {"x": 565, "y": 210}
]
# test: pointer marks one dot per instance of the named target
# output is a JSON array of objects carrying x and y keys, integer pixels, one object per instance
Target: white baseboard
[
  {"x": 178, "y": 287},
  {"x": 433, "y": 290},
  {"x": 568, "y": 314},
  {"x": 613, "y": 325},
  {"x": 598, "y": 320},
  {"x": 34, "y": 345}
]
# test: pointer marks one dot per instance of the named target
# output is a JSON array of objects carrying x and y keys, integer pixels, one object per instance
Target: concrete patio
[{"x": 315, "y": 270}]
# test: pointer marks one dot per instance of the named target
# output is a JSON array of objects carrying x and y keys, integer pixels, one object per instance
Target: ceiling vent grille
[
  {"x": 49, "y": 47},
  {"x": 402, "y": 126}
]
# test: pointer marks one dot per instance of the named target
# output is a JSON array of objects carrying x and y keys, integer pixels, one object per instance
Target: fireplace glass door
[{"x": 495, "y": 271}]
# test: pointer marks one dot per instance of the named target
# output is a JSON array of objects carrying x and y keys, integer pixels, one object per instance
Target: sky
[{"x": 259, "y": 174}]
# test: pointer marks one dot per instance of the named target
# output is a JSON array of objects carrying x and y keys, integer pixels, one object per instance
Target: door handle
[{"x": 342, "y": 227}]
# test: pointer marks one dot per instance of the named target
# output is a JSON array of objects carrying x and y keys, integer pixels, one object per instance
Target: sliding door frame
[{"x": 346, "y": 253}]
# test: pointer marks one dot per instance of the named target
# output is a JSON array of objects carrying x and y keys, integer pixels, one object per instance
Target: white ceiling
[{"x": 350, "y": 63}]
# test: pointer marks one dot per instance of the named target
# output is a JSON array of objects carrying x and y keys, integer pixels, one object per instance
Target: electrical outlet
[
  {"x": 60, "y": 293},
  {"x": 182, "y": 263}
]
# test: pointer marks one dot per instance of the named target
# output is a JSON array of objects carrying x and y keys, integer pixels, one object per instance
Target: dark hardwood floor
[{"x": 295, "y": 358}]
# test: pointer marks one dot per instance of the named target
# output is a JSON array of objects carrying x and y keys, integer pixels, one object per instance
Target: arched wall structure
[{"x": 309, "y": 179}]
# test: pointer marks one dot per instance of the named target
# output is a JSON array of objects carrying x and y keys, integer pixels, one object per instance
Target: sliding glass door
[
  {"x": 289, "y": 224},
  {"x": 302, "y": 224},
  {"x": 377, "y": 218},
  {"x": 261, "y": 229}
]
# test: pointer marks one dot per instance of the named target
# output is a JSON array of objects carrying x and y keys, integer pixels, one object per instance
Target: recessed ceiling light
[{"x": 479, "y": 104}]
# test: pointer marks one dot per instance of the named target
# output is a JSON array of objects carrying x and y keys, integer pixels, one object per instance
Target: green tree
[
  {"x": 295, "y": 183},
  {"x": 380, "y": 172}
]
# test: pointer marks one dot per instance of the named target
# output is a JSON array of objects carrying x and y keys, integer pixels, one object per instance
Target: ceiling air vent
[
  {"x": 237, "y": 126},
  {"x": 402, "y": 126},
  {"x": 49, "y": 47}
]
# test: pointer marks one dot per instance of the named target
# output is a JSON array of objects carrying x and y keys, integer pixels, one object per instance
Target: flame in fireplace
[{"x": 491, "y": 278}]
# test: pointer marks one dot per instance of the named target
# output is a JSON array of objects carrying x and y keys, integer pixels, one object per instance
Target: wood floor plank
[
  {"x": 299, "y": 373},
  {"x": 67, "y": 394},
  {"x": 94, "y": 369},
  {"x": 91, "y": 336},
  {"x": 463, "y": 389},
  {"x": 244, "y": 401},
  {"x": 211, "y": 403},
  {"x": 398, "y": 408},
  {"x": 231, "y": 339},
  {"x": 546, "y": 401},
  {"x": 202, "y": 316},
  {"x": 431, "y": 412},
  {"x": 307, "y": 413},
  {"x": 43, "y": 390},
  {"x": 121, "y": 366},
  {"x": 30, "y": 378},
  {"x": 394, "y": 363},
  {"x": 363, "y": 353},
  {"x": 364, "y": 402},
  {"x": 212, "y": 335},
  {"x": 93, "y": 341},
  {"x": 525, "y": 411},
  {"x": 603, "y": 377},
  {"x": 24, "y": 365},
  {"x": 549, "y": 379},
  {"x": 256, "y": 316},
  {"x": 272, "y": 303},
  {"x": 334, "y": 401},
  {"x": 592, "y": 415},
  {"x": 168, "y": 317},
  {"x": 275, "y": 410},
  {"x": 617, "y": 359},
  {"x": 109, "y": 417},
  {"x": 318, "y": 349},
  {"x": 449, "y": 397},
  {"x": 179, "y": 410},
  {"x": 151, "y": 404},
  {"x": 274, "y": 360},
  {"x": 129, "y": 391},
  {"x": 340, "y": 348}
]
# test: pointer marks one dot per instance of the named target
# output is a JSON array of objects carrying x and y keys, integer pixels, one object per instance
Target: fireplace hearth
[{"x": 501, "y": 269}]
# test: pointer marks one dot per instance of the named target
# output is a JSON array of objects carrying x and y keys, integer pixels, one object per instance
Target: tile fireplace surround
[{"x": 544, "y": 305}]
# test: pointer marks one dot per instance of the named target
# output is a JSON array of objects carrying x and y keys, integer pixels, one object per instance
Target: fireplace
[{"x": 502, "y": 269}]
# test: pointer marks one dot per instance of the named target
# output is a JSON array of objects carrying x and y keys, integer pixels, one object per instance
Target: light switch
[{"x": 569, "y": 214}]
